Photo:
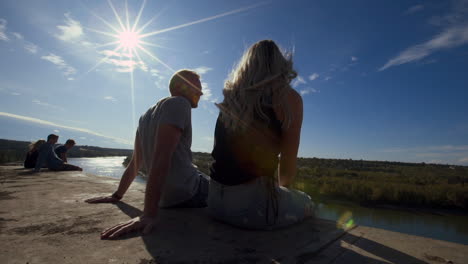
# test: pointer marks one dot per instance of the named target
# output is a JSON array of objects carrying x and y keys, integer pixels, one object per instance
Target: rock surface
[{"x": 44, "y": 219}]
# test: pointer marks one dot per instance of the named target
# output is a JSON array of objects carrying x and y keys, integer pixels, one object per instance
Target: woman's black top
[
  {"x": 31, "y": 158},
  {"x": 242, "y": 156}
]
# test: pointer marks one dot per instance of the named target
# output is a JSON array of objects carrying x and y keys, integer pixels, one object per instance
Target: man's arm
[
  {"x": 127, "y": 177},
  {"x": 166, "y": 142},
  {"x": 63, "y": 156}
]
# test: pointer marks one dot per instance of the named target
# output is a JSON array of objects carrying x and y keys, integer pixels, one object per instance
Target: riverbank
[{"x": 44, "y": 219}]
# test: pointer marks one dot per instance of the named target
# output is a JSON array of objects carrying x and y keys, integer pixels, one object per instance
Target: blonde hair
[
  {"x": 36, "y": 145},
  {"x": 261, "y": 78}
]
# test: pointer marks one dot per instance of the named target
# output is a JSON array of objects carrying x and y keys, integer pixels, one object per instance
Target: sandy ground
[{"x": 43, "y": 219}]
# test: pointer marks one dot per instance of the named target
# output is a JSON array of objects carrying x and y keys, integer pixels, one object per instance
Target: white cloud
[
  {"x": 449, "y": 38},
  {"x": 328, "y": 78},
  {"x": 56, "y": 131},
  {"x": 110, "y": 98},
  {"x": 160, "y": 82},
  {"x": 124, "y": 62},
  {"x": 71, "y": 31},
  {"x": 30, "y": 47},
  {"x": 314, "y": 76},
  {"x": 84, "y": 130},
  {"x": 463, "y": 160},
  {"x": 17, "y": 35},
  {"x": 202, "y": 70},
  {"x": 298, "y": 81},
  {"x": 46, "y": 104},
  {"x": 353, "y": 58},
  {"x": 15, "y": 93},
  {"x": 3, "y": 24},
  {"x": 308, "y": 91},
  {"x": 206, "y": 92},
  {"x": 414, "y": 9},
  {"x": 57, "y": 60}
]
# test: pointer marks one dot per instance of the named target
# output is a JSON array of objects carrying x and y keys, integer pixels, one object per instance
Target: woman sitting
[
  {"x": 257, "y": 138},
  {"x": 33, "y": 153}
]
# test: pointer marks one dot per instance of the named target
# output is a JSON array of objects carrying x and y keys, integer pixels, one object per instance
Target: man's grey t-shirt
[{"x": 183, "y": 180}]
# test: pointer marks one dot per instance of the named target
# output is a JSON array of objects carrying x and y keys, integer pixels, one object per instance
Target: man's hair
[
  {"x": 70, "y": 142},
  {"x": 51, "y": 136},
  {"x": 182, "y": 76}
]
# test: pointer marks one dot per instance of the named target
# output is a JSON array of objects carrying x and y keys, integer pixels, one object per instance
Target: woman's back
[{"x": 246, "y": 154}]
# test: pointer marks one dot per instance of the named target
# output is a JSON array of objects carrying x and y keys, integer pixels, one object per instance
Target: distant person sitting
[
  {"x": 48, "y": 157},
  {"x": 61, "y": 150},
  {"x": 33, "y": 153}
]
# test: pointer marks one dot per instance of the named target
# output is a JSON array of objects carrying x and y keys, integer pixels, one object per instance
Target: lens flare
[{"x": 346, "y": 220}]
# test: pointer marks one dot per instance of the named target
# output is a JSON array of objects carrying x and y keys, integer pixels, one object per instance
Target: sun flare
[{"x": 129, "y": 39}]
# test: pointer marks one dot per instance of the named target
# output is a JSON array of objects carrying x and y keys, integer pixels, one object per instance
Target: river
[{"x": 453, "y": 228}]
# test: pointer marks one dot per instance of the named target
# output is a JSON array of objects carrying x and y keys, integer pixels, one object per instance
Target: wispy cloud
[
  {"x": 46, "y": 104},
  {"x": 17, "y": 35},
  {"x": 110, "y": 98},
  {"x": 298, "y": 81},
  {"x": 451, "y": 37},
  {"x": 314, "y": 76},
  {"x": 31, "y": 47},
  {"x": 307, "y": 91},
  {"x": 71, "y": 31},
  {"x": 353, "y": 58},
  {"x": 202, "y": 70},
  {"x": 84, "y": 130},
  {"x": 123, "y": 62},
  {"x": 3, "y": 35},
  {"x": 413, "y": 9},
  {"x": 160, "y": 77},
  {"x": 62, "y": 65},
  {"x": 328, "y": 78},
  {"x": 454, "y": 34}
]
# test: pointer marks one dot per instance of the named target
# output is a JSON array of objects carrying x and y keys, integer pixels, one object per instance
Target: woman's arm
[{"x": 290, "y": 138}]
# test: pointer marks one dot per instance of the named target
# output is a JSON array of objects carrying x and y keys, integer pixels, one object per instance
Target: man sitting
[
  {"x": 162, "y": 148},
  {"x": 48, "y": 157},
  {"x": 61, "y": 150}
]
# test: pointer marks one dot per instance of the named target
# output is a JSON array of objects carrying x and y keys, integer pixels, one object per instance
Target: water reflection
[
  {"x": 104, "y": 166},
  {"x": 449, "y": 228}
]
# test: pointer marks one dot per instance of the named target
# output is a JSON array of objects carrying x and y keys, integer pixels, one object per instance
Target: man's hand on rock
[
  {"x": 103, "y": 199},
  {"x": 143, "y": 223}
]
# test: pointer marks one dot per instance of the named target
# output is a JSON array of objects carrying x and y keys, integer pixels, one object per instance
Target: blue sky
[{"x": 380, "y": 80}]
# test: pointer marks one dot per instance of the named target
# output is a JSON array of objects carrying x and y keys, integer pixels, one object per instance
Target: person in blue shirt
[
  {"x": 48, "y": 157},
  {"x": 61, "y": 150}
]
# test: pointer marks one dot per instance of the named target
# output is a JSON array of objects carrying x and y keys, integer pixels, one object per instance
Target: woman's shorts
[{"x": 248, "y": 205}]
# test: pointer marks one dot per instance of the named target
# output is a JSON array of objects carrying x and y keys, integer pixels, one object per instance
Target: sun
[{"x": 129, "y": 39}]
